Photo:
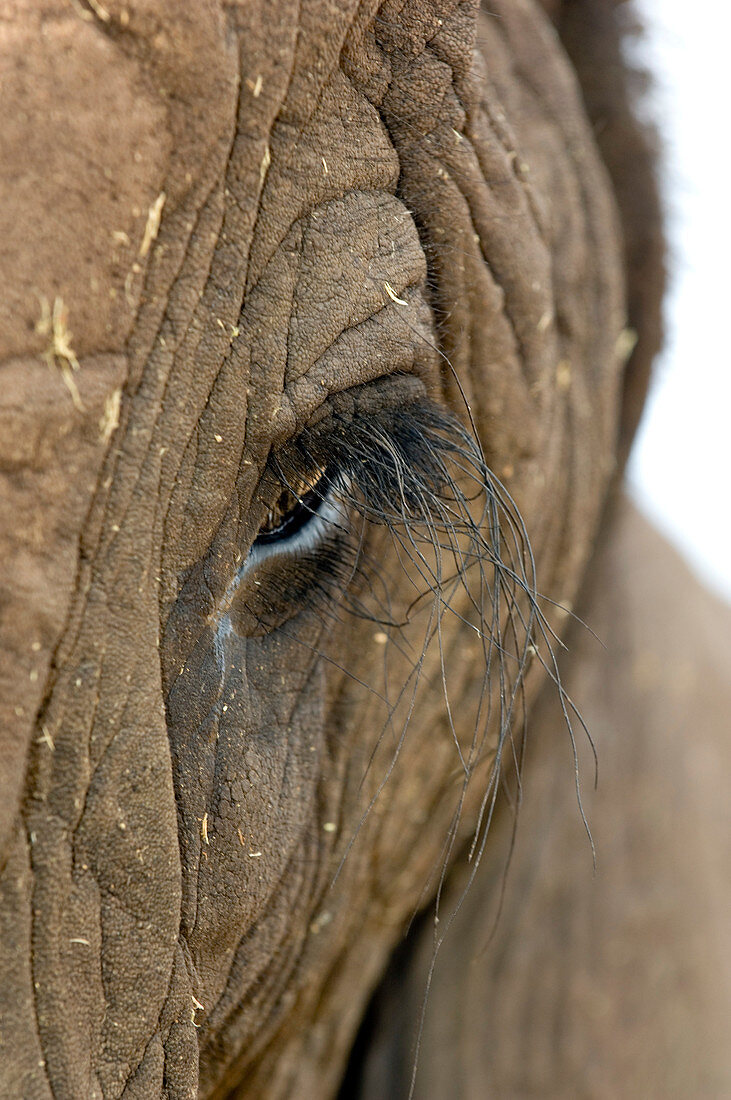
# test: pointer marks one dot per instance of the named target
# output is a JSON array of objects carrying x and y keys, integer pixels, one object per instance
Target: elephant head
[{"x": 314, "y": 346}]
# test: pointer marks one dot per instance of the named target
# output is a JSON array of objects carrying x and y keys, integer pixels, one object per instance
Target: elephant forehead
[{"x": 339, "y": 304}]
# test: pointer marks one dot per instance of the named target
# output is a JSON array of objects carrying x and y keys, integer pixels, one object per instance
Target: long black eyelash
[
  {"x": 393, "y": 468},
  {"x": 418, "y": 472}
]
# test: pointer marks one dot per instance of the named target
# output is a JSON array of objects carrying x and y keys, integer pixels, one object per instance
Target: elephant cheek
[{"x": 245, "y": 718}]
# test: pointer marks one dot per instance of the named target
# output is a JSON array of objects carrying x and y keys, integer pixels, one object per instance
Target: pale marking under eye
[{"x": 331, "y": 513}]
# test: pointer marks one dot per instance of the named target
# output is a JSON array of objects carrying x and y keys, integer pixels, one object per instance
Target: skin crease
[{"x": 265, "y": 213}]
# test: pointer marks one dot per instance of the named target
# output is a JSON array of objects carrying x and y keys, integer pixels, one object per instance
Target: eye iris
[{"x": 296, "y": 504}]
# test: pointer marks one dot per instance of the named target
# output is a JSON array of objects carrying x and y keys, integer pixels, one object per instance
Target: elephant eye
[
  {"x": 378, "y": 456},
  {"x": 299, "y": 502}
]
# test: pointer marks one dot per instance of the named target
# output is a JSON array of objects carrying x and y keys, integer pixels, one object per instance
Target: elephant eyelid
[
  {"x": 307, "y": 524},
  {"x": 298, "y": 502}
]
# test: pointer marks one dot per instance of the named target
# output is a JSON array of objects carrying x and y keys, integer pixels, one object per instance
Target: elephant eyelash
[
  {"x": 418, "y": 472},
  {"x": 412, "y": 469},
  {"x": 368, "y": 462},
  {"x": 390, "y": 468},
  {"x": 387, "y": 465}
]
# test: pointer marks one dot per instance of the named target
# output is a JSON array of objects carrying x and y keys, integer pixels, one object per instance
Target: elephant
[{"x": 325, "y": 329}]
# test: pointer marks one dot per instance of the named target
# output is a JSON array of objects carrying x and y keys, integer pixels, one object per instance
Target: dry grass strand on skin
[{"x": 59, "y": 354}]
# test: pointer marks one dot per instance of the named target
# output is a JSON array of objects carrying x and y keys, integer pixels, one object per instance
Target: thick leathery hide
[{"x": 278, "y": 204}]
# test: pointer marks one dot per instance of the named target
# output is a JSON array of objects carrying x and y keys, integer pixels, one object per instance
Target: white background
[{"x": 681, "y": 468}]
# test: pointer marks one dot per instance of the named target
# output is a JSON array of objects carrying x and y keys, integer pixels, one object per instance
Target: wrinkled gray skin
[{"x": 227, "y": 216}]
